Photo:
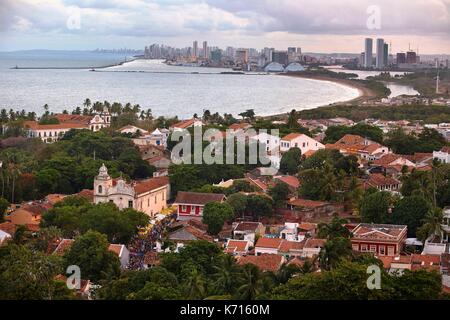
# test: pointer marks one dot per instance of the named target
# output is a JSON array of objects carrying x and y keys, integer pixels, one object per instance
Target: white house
[
  {"x": 133, "y": 130},
  {"x": 272, "y": 142},
  {"x": 442, "y": 155},
  {"x": 301, "y": 141}
]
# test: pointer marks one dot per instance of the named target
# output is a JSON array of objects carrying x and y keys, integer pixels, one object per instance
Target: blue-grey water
[{"x": 167, "y": 90}]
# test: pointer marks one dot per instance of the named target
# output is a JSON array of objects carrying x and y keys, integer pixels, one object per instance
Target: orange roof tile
[{"x": 265, "y": 262}]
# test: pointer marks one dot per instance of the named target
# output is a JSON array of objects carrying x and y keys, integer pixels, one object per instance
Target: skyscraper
[
  {"x": 368, "y": 53},
  {"x": 380, "y": 54},
  {"x": 195, "y": 49},
  {"x": 386, "y": 54},
  {"x": 205, "y": 49},
  {"x": 401, "y": 57}
]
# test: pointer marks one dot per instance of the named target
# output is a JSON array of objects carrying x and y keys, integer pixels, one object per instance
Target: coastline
[{"x": 364, "y": 93}]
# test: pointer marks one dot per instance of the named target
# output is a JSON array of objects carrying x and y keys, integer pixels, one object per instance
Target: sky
[{"x": 316, "y": 26}]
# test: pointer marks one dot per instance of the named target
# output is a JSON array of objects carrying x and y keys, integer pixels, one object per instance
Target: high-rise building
[
  {"x": 380, "y": 54},
  {"x": 362, "y": 59},
  {"x": 386, "y": 54},
  {"x": 292, "y": 50},
  {"x": 411, "y": 57},
  {"x": 281, "y": 57},
  {"x": 205, "y": 49},
  {"x": 401, "y": 57},
  {"x": 241, "y": 56},
  {"x": 195, "y": 49},
  {"x": 368, "y": 53}
]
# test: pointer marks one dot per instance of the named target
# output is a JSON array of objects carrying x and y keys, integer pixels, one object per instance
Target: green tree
[
  {"x": 279, "y": 194},
  {"x": 238, "y": 202},
  {"x": 29, "y": 275},
  {"x": 374, "y": 207},
  {"x": 251, "y": 282},
  {"x": 90, "y": 252},
  {"x": 4, "y": 205},
  {"x": 411, "y": 211},
  {"x": 215, "y": 214},
  {"x": 290, "y": 161}
]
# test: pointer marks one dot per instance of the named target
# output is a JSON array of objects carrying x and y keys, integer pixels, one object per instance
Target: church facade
[{"x": 148, "y": 196}]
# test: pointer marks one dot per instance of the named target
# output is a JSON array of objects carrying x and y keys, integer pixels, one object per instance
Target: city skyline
[{"x": 325, "y": 26}]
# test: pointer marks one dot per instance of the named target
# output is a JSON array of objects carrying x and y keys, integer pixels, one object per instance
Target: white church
[{"x": 148, "y": 196}]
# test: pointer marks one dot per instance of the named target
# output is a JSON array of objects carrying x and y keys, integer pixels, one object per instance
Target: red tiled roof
[
  {"x": 378, "y": 231},
  {"x": 247, "y": 226},
  {"x": 314, "y": 243},
  {"x": 184, "y": 124},
  {"x": 34, "y": 125},
  {"x": 290, "y": 181},
  {"x": 237, "y": 246},
  {"x": 378, "y": 180},
  {"x": 8, "y": 227},
  {"x": 310, "y": 204},
  {"x": 287, "y": 246},
  {"x": 425, "y": 261},
  {"x": 238, "y": 126},
  {"x": 273, "y": 243},
  {"x": 198, "y": 198},
  {"x": 265, "y": 262},
  {"x": 292, "y": 136},
  {"x": 144, "y": 186}
]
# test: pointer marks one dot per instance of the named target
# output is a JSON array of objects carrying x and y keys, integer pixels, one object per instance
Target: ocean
[{"x": 167, "y": 90}]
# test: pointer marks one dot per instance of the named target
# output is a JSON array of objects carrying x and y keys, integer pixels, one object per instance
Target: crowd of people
[{"x": 140, "y": 245}]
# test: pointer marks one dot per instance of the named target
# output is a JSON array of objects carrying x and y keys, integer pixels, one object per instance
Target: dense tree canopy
[{"x": 74, "y": 215}]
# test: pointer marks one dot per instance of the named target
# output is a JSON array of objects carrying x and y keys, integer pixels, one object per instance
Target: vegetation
[
  {"x": 74, "y": 215},
  {"x": 215, "y": 214},
  {"x": 428, "y": 114}
]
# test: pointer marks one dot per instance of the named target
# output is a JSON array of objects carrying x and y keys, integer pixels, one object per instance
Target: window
[
  {"x": 391, "y": 251},
  {"x": 355, "y": 247},
  {"x": 183, "y": 208},
  {"x": 373, "y": 248},
  {"x": 304, "y": 144},
  {"x": 364, "y": 247},
  {"x": 111, "y": 201},
  {"x": 156, "y": 196},
  {"x": 100, "y": 189},
  {"x": 382, "y": 250},
  {"x": 130, "y": 204}
]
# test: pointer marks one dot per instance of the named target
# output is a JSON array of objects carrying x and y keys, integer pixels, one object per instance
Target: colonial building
[
  {"x": 301, "y": 141},
  {"x": 351, "y": 144},
  {"x": 53, "y": 132},
  {"x": 379, "y": 239},
  {"x": 191, "y": 204},
  {"x": 149, "y": 196}
]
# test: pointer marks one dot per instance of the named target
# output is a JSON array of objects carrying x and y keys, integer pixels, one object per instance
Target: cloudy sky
[{"x": 318, "y": 25}]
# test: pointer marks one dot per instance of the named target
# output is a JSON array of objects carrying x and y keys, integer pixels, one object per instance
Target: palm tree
[
  {"x": 252, "y": 282},
  {"x": 87, "y": 103},
  {"x": 334, "y": 251},
  {"x": 334, "y": 229},
  {"x": 195, "y": 285},
  {"x": 432, "y": 224},
  {"x": 226, "y": 276}
]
